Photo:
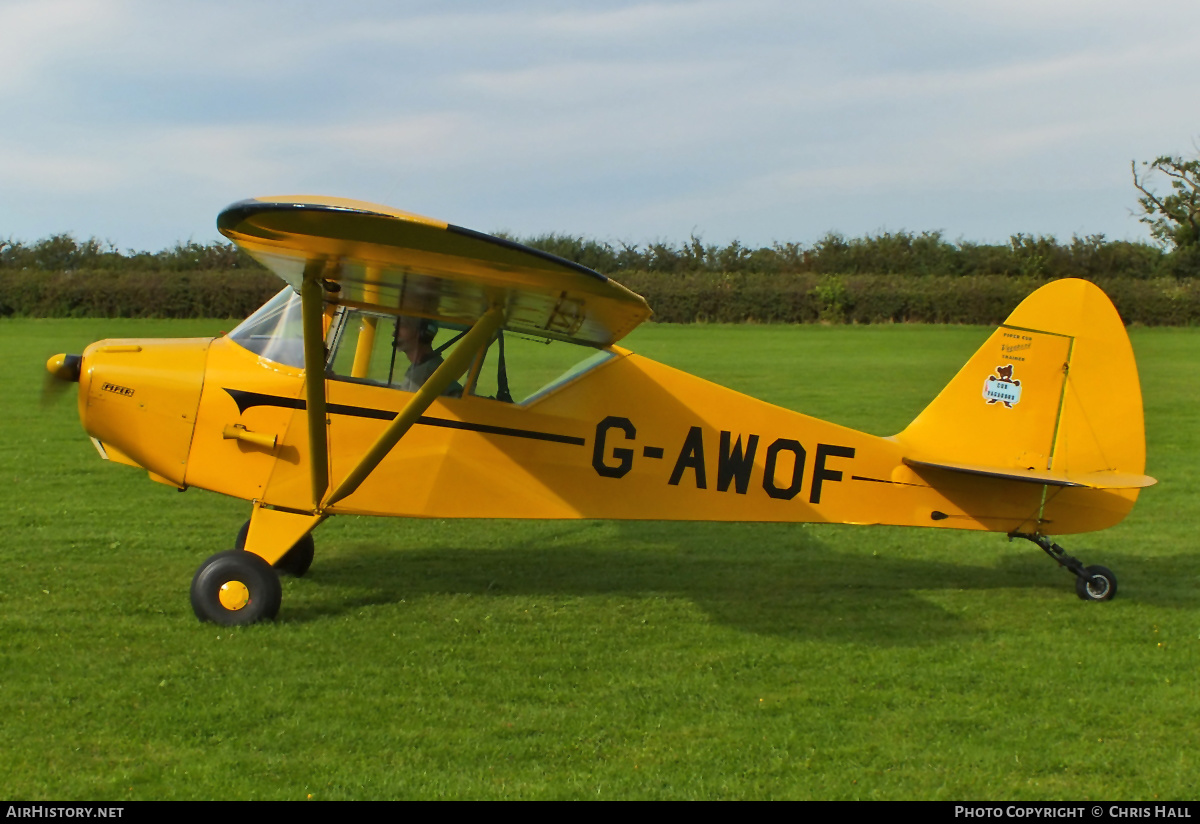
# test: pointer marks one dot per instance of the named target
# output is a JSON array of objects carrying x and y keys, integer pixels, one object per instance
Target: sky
[{"x": 762, "y": 121}]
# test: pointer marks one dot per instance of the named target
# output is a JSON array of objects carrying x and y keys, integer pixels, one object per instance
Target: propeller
[{"x": 61, "y": 372}]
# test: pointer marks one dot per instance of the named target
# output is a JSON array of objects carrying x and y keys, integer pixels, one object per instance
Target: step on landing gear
[{"x": 1092, "y": 583}]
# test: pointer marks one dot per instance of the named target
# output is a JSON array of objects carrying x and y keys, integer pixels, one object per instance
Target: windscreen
[{"x": 275, "y": 331}]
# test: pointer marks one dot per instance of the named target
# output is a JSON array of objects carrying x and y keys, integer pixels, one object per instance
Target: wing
[{"x": 375, "y": 257}]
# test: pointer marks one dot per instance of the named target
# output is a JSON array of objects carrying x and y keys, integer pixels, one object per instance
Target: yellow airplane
[{"x": 467, "y": 376}]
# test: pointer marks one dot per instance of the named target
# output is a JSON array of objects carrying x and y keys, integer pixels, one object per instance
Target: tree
[{"x": 1174, "y": 218}]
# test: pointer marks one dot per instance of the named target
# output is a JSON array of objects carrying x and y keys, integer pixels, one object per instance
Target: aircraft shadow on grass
[{"x": 787, "y": 583}]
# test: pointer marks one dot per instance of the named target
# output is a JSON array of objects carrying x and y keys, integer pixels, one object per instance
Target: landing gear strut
[
  {"x": 1092, "y": 583},
  {"x": 297, "y": 560}
]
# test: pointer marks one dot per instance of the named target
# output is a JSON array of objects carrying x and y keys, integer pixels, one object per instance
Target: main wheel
[
  {"x": 235, "y": 588},
  {"x": 1096, "y": 584},
  {"x": 295, "y": 562}
]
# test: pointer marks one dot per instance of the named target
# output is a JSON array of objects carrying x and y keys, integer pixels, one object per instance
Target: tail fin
[{"x": 1051, "y": 398}]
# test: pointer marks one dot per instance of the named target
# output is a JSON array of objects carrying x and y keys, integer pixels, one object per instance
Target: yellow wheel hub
[{"x": 234, "y": 595}]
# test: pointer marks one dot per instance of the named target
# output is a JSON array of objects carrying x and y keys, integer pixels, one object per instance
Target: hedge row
[
  {"x": 808, "y": 298},
  {"x": 135, "y": 294},
  {"x": 899, "y": 253},
  {"x": 63, "y": 252},
  {"x": 676, "y": 298},
  {"x": 887, "y": 253}
]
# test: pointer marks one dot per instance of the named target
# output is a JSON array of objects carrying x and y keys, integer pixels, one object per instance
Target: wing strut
[
  {"x": 312, "y": 295},
  {"x": 449, "y": 371}
]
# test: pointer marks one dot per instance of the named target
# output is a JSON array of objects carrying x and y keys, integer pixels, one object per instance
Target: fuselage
[{"x": 627, "y": 438}]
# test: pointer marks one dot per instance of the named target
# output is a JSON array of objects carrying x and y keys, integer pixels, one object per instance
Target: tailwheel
[
  {"x": 1096, "y": 583},
  {"x": 235, "y": 588},
  {"x": 1093, "y": 583},
  {"x": 295, "y": 562}
]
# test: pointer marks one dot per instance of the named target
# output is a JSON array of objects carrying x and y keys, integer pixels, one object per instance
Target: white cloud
[
  {"x": 649, "y": 19},
  {"x": 58, "y": 173},
  {"x": 586, "y": 83},
  {"x": 1134, "y": 19},
  {"x": 590, "y": 117},
  {"x": 42, "y": 38}
]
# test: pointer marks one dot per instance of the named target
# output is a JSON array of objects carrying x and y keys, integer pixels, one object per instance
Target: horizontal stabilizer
[{"x": 1103, "y": 479}]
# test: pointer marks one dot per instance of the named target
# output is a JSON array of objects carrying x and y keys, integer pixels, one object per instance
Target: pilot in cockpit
[{"x": 414, "y": 337}]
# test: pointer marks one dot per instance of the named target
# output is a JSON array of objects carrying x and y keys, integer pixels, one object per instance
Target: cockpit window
[
  {"x": 523, "y": 369},
  {"x": 401, "y": 352},
  {"x": 275, "y": 331}
]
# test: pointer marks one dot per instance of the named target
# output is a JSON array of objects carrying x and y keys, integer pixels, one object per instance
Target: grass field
[{"x": 595, "y": 659}]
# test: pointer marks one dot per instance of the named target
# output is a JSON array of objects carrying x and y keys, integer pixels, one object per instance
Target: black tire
[
  {"x": 1096, "y": 584},
  {"x": 235, "y": 588},
  {"x": 299, "y": 558},
  {"x": 295, "y": 562}
]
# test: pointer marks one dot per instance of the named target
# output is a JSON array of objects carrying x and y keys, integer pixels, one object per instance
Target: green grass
[{"x": 501, "y": 659}]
